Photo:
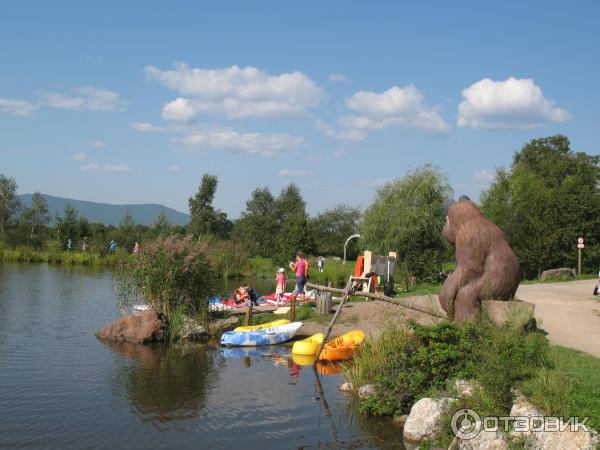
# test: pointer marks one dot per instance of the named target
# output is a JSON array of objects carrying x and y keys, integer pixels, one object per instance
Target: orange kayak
[{"x": 342, "y": 348}]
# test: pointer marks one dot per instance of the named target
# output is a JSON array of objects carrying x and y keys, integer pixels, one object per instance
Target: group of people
[
  {"x": 300, "y": 269},
  {"x": 245, "y": 295}
]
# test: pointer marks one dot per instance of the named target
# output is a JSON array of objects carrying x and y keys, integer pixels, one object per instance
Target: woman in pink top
[{"x": 300, "y": 267}]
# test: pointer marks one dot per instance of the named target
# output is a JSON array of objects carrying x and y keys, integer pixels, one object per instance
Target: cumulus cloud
[
  {"x": 15, "y": 107},
  {"x": 96, "y": 144},
  {"x": 337, "y": 77},
  {"x": 512, "y": 103},
  {"x": 93, "y": 167},
  {"x": 175, "y": 168},
  {"x": 296, "y": 173},
  {"x": 85, "y": 98},
  {"x": 79, "y": 156},
  {"x": 344, "y": 134},
  {"x": 485, "y": 176},
  {"x": 203, "y": 137},
  {"x": 396, "y": 107},
  {"x": 146, "y": 127},
  {"x": 235, "y": 92}
]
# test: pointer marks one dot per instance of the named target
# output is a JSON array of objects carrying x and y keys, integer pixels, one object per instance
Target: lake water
[{"x": 60, "y": 387}]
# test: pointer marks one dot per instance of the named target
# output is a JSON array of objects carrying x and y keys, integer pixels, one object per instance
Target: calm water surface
[{"x": 60, "y": 387}]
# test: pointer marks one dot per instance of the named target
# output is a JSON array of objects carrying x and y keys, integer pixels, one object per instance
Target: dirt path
[
  {"x": 568, "y": 312},
  {"x": 372, "y": 317}
]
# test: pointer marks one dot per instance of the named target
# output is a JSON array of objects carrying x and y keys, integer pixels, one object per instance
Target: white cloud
[
  {"x": 485, "y": 176},
  {"x": 396, "y": 107},
  {"x": 15, "y": 107},
  {"x": 79, "y": 156},
  {"x": 146, "y": 127},
  {"x": 96, "y": 144},
  {"x": 341, "y": 134},
  {"x": 337, "y": 77},
  {"x": 202, "y": 137},
  {"x": 513, "y": 103},
  {"x": 93, "y": 167},
  {"x": 85, "y": 98},
  {"x": 296, "y": 173},
  {"x": 175, "y": 168},
  {"x": 235, "y": 92}
]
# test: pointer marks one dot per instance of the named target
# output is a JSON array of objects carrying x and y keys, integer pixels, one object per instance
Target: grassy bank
[
  {"x": 30, "y": 255},
  {"x": 406, "y": 364}
]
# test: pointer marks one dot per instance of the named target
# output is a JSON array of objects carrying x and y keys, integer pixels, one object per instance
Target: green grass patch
[
  {"x": 562, "y": 278},
  {"x": 419, "y": 289},
  {"x": 25, "y": 254}
]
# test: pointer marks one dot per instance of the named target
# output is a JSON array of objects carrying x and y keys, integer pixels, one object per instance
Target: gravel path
[{"x": 568, "y": 312}]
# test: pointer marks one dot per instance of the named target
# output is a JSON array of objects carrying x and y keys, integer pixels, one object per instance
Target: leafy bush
[
  {"x": 174, "y": 271},
  {"x": 407, "y": 364}
]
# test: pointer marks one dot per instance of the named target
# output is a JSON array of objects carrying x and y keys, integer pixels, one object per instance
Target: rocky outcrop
[
  {"x": 557, "y": 273},
  {"x": 422, "y": 422},
  {"x": 192, "y": 331},
  {"x": 366, "y": 391},
  {"x": 139, "y": 328},
  {"x": 545, "y": 439},
  {"x": 220, "y": 326},
  {"x": 485, "y": 440}
]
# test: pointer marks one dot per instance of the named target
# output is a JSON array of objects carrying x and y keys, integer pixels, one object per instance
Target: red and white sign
[{"x": 580, "y": 243}]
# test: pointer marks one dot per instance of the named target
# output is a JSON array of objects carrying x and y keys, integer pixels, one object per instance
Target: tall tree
[
  {"x": 68, "y": 225},
  {"x": 37, "y": 215},
  {"x": 548, "y": 198},
  {"x": 332, "y": 227},
  {"x": 407, "y": 216},
  {"x": 257, "y": 226},
  {"x": 204, "y": 219},
  {"x": 293, "y": 231},
  {"x": 9, "y": 204},
  {"x": 161, "y": 224}
]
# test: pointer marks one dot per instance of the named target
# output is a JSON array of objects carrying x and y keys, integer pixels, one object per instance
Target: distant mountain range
[{"x": 110, "y": 214}]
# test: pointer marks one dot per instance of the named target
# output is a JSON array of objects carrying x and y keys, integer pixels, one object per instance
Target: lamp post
[{"x": 346, "y": 244}]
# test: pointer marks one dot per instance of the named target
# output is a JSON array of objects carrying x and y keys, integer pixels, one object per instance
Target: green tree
[
  {"x": 204, "y": 219},
  {"x": 9, "y": 205},
  {"x": 407, "y": 216},
  {"x": 257, "y": 226},
  {"x": 37, "y": 215},
  {"x": 67, "y": 226},
  {"x": 293, "y": 230},
  {"x": 332, "y": 227},
  {"x": 548, "y": 198},
  {"x": 161, "y": 224}
]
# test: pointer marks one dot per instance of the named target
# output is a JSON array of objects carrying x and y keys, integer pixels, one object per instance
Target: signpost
[{"x": 580, "y": 247}]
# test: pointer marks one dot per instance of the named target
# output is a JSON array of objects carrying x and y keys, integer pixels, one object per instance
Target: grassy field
[{"x": 29, "y": 255}]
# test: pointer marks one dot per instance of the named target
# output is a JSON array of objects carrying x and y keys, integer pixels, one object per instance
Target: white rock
[
  {"x": 579, "y": 439},
  {"x": 366, "y": 391},
  {"x": 465, "y": 388},
  {"x": 346, "y": 387},
  {"x": 422, "y": 420},
  {"x": 492, "y": 440}
]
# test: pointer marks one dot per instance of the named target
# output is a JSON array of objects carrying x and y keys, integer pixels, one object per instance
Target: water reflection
[{"x": 165, "y": 383}]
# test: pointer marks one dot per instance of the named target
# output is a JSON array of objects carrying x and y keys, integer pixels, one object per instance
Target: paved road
[{"x": 568, "y": 312}]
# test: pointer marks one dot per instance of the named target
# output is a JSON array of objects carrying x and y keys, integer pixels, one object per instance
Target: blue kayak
[{"x": 264, "y": 336}]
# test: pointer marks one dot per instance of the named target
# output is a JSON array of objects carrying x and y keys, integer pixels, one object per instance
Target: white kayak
[{"x": 264, "y": 336}]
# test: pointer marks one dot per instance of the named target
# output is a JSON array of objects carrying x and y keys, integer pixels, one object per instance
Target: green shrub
[{"x": 174, "y": 271}]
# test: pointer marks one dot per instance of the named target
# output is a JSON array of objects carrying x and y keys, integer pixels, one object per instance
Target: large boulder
[
  {"x": 139, "y": 328},
  {"x": 571, "y": 439},
  {"x": 422, "y": 422},
  {"x": 557, "y": 273}
]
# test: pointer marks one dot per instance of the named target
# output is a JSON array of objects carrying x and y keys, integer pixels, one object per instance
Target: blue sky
[{"x": 131, "y": 102}]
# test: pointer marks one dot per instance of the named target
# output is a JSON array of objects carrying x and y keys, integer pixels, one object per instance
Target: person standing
[
  {"x": 69, "y": 245},
  {"x": 136, "y": 248},
  {"x": 320, "y": 263},
  {"x": 280, "y": 286},
  {"x": 300, "y": 268}
]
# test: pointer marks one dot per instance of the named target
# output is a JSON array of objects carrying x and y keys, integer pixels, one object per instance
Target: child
[{"x": 280, "y": 287}]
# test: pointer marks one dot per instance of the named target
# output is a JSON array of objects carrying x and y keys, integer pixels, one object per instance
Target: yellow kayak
[
  {"x": 304, "y": 360},
  {"x": 263, "y": 325},
  {"x": 342, "y": 348},
  {"x": 308, "y": 346}
]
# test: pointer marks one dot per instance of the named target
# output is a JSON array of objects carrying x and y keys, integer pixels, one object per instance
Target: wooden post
[
  {"x": 293, "y": 307},
  {"x": 579, "y": 262},
  {"x": 323, "y": 303},
  {"x": 248, "y": 319},
  {"x": 413, "y": 282}
]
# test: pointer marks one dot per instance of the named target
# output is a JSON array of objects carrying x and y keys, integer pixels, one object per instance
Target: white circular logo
[
  {"x": 580, "y": 240},
  {"x": 466, "y": 424}
]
